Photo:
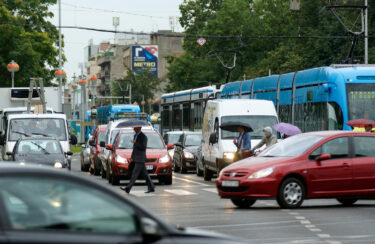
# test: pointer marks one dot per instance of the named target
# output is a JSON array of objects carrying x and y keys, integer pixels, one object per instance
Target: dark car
[
  {"x": 40, "y": 150},
  {"x": 186, "y": 151},
  {"x": 95, "y": 162},
  {"x": 324, "y": 164},
  {"x": 41, "y": 205},
  {"x": 158, "y": 162},
  {"x": 170, "y": 138}
]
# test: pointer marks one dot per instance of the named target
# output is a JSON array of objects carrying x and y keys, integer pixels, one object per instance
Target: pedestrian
[
  {"x": 268, "y": 139},
  {"x": 243, "y": 143},
  {"x": 138, "y": 157}
]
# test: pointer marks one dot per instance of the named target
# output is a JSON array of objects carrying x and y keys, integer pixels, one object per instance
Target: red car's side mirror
[
  {"x": 170, "y": 146},
  {"x": 324, "y": 156},
  {"x": 109, "y": 147}
]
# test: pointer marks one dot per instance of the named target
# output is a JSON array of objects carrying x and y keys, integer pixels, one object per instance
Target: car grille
[
  {"x": 150, "y": 160},
  {"x": 237, "y": 174},
  {"x": 233, "y": 189}
]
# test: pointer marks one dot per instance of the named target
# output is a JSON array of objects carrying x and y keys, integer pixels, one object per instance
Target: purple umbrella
[{"x": 287, "y": 129}]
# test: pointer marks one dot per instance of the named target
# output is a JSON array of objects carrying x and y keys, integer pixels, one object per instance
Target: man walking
[{"x": 139, "y": 158}]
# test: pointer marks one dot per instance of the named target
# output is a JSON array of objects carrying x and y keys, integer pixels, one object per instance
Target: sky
[{"x": 139, "y": 15}]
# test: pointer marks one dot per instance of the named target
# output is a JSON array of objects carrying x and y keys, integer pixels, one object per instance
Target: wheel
[
  {"x": 176, "y": 169},
  {"x": 347, "y": 201},
  {"x": 198, "y": 170},
  {"x": 102, "y": 172},
  {"x": 243, "y": 202},
  {"x": 182, "y": 168},
  {"x": 115, "y": 179},
  {"x": 167, "y": 179},
  {"x": 91, "y": 170},
  {"x": 207, "y": 174},
  {"x": 291, "y": 193}
]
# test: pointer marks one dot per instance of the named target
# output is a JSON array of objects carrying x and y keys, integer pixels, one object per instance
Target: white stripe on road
[
  {"x": 213, "y": 190},
  {"x": 180, "y": 192},
  {"x": 190, "y": 181},
  {"x": 141, "y": 193},
  {"x": 248, "y": 224}
]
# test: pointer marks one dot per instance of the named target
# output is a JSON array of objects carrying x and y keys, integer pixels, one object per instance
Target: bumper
[
  {"x": 189, "y": 163},
  {"x": 259, "y": 188},
  {"x": 158, "y": 169}
]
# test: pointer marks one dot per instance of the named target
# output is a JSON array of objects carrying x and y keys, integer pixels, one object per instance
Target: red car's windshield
[{"x": 154, "y": 141}]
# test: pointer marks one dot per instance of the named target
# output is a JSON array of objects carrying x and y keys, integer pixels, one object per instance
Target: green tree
[
  {"x": 143, "y": 83},
  {"x": 25, "y": 40}
]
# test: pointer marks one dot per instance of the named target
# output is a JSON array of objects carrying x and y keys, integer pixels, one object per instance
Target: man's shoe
[
  {"x": 125, "y": 189},
  {"x": 149, "y": 191}
]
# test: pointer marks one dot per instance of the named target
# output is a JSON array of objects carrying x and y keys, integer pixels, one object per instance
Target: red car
[
  {"x": 95, "y": 163},
  {"x": 326, "y": 164},
  {"x": 158, "y": 161}
]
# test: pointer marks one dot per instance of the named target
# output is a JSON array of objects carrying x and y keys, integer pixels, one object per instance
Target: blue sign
[{"x": 145, "y": 57}]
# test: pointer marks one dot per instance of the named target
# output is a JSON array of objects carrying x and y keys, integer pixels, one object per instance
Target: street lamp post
[
  {"x": 149, "y": 105},
  {"x": 93, "y": 80},
  {"x": 60, "y": 74},
  {"x": 82, "y": 83},
  {"x": 13, "y": 67}
]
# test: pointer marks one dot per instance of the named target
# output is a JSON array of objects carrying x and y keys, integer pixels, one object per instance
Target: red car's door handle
[{"x": 346, "y": 165}]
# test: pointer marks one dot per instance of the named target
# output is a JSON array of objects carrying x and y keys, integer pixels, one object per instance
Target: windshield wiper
[
  {"x": 39, "y": 146},
  {"x": 40, "y": 134},
  {"x": 21, "y": 133}
]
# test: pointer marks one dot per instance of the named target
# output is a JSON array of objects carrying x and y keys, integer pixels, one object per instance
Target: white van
[
  {"x": 53, "y": 125},
  {"x": 220, "y": 152}
]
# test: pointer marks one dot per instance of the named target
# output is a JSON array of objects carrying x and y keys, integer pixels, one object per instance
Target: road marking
[
  {"x": 315, "y": 230},
  {"x": 300, "y": 217},
  {"x": 248, "y": 224},
  {"x": 190, "y": 181},
  {"x": 305, "y": 222},
  {"x": 334, "y": 242},
  {"x": 294, "y": 213},
  {"x": 141, "y": 194},
  {"x": 180, "y": 192},
  {"x": 310, "y": 226},
  {"x": 324, "y": 235},
  {"x": 213, "y": 190}
]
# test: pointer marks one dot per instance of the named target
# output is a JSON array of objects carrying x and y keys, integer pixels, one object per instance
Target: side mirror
[
  {"x": 109, "y": 147},
  {"x": 213, "y": 138},
  {"x": 149, "y": 227},
  {"x": 9, "y": 154},
  {"x": 324, "y": 156},
  {"x": 170, "y": 146},
  {"x": 179, "y": 144},
  {"x": 69, "y": 153},
  {"x": 102, "y": 144},
  {"x": 92, "y": 143},
  {"x": 2, "y": 139},
  {"x": 73, "y": 139}
]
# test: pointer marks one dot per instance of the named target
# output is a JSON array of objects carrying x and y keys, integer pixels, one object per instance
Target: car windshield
[
  {"x": 193, "y": 140},
  {"x": 154, "y": 141},
  {"x": 50, "y": 127},
  {"x": 257, "y": 123},
  {"x": 292, "y": 146},
  {"x": 173, "y": 138},
  {"x": 28, "y": 147}
]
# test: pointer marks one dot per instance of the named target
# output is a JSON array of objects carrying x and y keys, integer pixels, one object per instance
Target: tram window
[
  {"x": 165, "y": 116},
  {"x": 335, "y": 117},
  {"x": 285, "y": 113},
  {"x": 198, "y": 115},
  {"x": 186, "y": 116},
  {"x": 176, "y": 117},
  {"x": 311, "y": 116}
]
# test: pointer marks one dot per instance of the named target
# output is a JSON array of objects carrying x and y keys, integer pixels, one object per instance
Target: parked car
[
  {"x": 158, "y": 162},
  {"x": 95, "y": 149},
  {"x": 199, "y": 168},
  {"x": 40, "y": 150},
  {"x": 171, "y": 137},
  {"x": 42, "y": 205},
  {"x": 186, "y": 151},
  {"x": 85, "y": 156},
  {"x": 325, "y": 164}
]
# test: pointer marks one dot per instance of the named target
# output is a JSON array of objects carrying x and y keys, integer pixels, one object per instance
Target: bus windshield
[
  {"x": 257, "y": 123},
  {"x": 361, "y": 97},
  {"x": 51, "y": 127}
]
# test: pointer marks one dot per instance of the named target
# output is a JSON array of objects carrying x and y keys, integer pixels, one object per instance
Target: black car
[
  {"x": 186, "y": 151},
  {"x": 44, "y": 205},
  {"x": 40, "y": 150}
]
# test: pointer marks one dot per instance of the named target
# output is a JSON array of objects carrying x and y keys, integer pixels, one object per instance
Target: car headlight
[
  {"x": 188, "y": 155},
  {"x": 58, "y": 165},
  {"x": 229, "y": 155},
  {"x": 164, "y": 159},
  {"x": 262, "y": 173},
  {"x": 121, "y": 160}
]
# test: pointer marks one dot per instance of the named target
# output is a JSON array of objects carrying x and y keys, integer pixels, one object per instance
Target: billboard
[{"x": 145, "y": 57}]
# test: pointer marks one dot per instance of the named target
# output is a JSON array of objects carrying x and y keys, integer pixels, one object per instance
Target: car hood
[
  {"x": 150, "y": 153},
  {"x": 256, "y": 163},
  {"x": 192, "y": 149},
  {"x": 48, "y": 159}
]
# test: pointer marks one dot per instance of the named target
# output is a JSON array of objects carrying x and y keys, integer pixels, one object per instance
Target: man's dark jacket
[{"x": 139, "y": 149}]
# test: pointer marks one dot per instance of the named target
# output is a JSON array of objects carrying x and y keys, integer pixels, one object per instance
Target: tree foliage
[
  {"x": 258, "y": 56},
  {"x": 24, "y": 40}
]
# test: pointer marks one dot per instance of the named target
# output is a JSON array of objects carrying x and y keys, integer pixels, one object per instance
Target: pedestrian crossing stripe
[
  {"x": 214, "y": 190},
  {"x": 167, "y": 192},
  {"x": 179, "y": 192}
]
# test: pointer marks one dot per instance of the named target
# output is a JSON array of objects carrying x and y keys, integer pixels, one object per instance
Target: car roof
[
  {"x": 37, "y": 116},
  {"x": 328, "y": 133}
]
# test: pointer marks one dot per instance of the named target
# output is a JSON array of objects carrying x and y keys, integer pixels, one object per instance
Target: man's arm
[{"x": 259, "y": 145}]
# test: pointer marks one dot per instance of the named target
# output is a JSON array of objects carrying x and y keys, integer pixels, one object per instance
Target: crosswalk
[{"x": 172, "y": 192}]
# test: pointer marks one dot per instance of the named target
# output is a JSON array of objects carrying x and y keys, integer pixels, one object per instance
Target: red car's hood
[
  {"x": 150, "y": 153},
  {"x": 255, "y": 163}
]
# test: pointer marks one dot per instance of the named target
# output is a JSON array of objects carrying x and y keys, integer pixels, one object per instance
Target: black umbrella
[
  {"x": 232, "y": 126},
  {"x": 132, "y": 123}
]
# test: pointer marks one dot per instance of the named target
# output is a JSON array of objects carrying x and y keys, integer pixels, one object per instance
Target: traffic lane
[{"x": 192, "y": 202}]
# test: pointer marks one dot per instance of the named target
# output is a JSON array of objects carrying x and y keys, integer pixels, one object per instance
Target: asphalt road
[{"x": 192, "y": 202}]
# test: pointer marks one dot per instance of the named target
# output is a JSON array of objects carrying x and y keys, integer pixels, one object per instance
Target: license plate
[
  {"x": 149, "y": 167},
  {"x": 230, "y": 183}
]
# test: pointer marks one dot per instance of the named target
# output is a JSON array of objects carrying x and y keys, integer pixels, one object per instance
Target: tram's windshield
[{"x": 361, "y": 101}]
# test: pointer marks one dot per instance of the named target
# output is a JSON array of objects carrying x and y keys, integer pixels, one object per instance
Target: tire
[
  {"x": 182, "y": 168},
  {"x": 199, "y": 172},
  {"x": 91, "y": 170},
  {"x": 115, "y": 179},
  {"x": 291, "y": 193},
  {"x": 207, "y": 174},
  {"x": 167, "y": 179},
  {"x": 347, "y": 201},
  {"x": 243, "y": 202}
]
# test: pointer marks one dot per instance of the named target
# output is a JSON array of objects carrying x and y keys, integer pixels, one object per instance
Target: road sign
[{"x": 201, "y": 41}]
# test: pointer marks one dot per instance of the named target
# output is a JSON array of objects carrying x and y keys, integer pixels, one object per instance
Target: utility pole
[
  {"x": 366, "y": 32},
  {"x": 60, "y": 63}
]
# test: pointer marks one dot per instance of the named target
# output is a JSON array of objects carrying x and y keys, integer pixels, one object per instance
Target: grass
[{"x": 76, "y": 148}]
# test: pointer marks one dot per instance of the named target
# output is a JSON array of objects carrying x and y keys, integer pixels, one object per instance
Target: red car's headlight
[{"x": 164, "y": 159}]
